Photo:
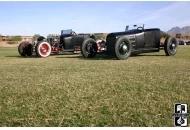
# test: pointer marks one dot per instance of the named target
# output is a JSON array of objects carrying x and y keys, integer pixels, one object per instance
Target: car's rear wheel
[
  {"x": 89, "y": 48},
  {"x": 123, "y": 48},
  {"x": 43, "y": 49},
  {"x": 170, "y": 46},
  {"x": 25, "y": 48}
]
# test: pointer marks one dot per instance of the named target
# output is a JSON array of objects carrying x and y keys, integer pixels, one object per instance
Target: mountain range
[{"x": 183, "y": 30}]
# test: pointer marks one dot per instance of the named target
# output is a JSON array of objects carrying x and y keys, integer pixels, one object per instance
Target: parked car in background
[
  {"x": 181, "y": 42},
  {"x": 188, "y": 43}
]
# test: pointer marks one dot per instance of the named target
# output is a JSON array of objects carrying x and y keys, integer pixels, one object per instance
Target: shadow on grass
[
  {"x": 145, "y": 55},
  {"x": 79, "y": 56},
  {"x": 106, "y": 57},
  {"x": 97, "y": 57},
  {"x": 67, "y": 53},
  {"x": 33, "y": 56}
]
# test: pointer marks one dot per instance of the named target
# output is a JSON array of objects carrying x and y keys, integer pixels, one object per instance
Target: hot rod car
[
  {"x": 131, "y": 41},
  {"x": 68, "y": 41}
]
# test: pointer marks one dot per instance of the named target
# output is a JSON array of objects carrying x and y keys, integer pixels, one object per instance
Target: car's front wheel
[
  {"x": 123, "y": 48},
  {"x": 170, "y": 46},
  {"x": 89, "y": 48},
  {"x": 43, "y": 49}
]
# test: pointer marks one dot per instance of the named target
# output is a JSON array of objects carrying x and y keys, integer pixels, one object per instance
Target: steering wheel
[
  {"x": 140, "y": 28},
  {"x": 74, "y": 33}
]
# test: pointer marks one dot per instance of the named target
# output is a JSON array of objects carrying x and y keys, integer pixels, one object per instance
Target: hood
[{"x": 130, "y": 32}]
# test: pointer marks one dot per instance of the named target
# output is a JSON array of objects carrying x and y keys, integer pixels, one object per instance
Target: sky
[{"x": 35, "y": 17}]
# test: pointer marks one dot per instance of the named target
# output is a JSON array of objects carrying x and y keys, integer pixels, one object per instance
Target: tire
[
  {"x": 89, "y": 48},
  {"x": 25, "y": 48},
  {"x": 123, "y": 48},
  {"x": 43, "y": 49},
  {"x": 170, "y": 46}
]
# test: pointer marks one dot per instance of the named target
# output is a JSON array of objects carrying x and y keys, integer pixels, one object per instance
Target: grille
[
  {"x": 110, "y": 40},
  {"x": 132, "y": 40}
]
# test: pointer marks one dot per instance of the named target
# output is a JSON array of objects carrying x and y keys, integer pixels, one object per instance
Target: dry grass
[
  {"x": 5, "y": 44},
  {"x": 68, "y": 90}
]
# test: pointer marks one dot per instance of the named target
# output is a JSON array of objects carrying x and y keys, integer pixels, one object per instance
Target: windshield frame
[
  {"x": 66, "y": 32},
  {"x": 134, "y": 27}
]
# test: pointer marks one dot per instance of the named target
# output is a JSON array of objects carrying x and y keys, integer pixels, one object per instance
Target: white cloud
[{"x": 172, "y": 15}]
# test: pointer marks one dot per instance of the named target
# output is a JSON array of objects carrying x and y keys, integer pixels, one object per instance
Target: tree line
[
  {"x": 97, "y": 36},
  {"x": 17, "y": 38}
]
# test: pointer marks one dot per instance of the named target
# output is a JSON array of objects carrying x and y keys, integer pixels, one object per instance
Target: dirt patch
[{"x": 5, "y": 44}]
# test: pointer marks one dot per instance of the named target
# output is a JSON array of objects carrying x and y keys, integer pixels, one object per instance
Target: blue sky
[{"x": 29, "y": 18}]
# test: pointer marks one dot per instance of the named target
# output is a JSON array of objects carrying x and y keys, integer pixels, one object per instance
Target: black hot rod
[
  {"x": 131, "y": 41},
  {"x": 68, "y": 41}
]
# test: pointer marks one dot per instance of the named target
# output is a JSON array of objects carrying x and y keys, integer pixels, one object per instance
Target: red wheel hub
[{"x": 44, "y": 49}]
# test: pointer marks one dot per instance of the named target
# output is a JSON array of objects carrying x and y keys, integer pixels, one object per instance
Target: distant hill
[{"x": 183, "y": 30}]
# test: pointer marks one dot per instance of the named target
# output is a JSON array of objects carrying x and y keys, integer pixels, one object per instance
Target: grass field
[{"x": 68, "y": 90}]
